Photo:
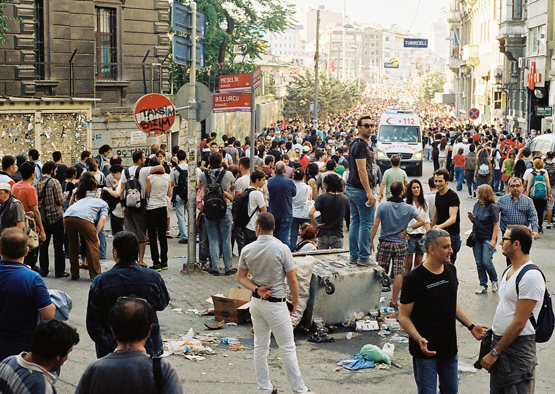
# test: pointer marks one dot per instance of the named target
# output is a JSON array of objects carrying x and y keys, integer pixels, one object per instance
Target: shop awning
[
  {"x": 482, "y": 70},
  {"x": 498, "y": 113}
]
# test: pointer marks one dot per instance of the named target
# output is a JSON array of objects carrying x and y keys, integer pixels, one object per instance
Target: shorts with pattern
[{"x": 392, "y": 251}]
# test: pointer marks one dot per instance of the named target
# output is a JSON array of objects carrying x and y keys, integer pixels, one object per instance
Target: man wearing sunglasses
[{"x": 359, "y": 190}]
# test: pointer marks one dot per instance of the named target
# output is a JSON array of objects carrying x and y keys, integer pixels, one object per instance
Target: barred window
[
  {"x": 105, "y": 51},
  {"x": 39, "y": 40}
]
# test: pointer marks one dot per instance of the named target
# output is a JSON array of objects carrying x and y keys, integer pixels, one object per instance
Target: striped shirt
[
  {"x": 520, "y": 212},
  {"x": 18, "y": 376}
]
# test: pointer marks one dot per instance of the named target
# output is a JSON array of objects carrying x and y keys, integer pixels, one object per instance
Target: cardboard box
[
  {"x": 234, "y": 308},
  {"x": 366, "y": 325}
]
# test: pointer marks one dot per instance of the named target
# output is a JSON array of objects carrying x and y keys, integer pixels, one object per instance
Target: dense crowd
[{"x": 310, "y": 182}]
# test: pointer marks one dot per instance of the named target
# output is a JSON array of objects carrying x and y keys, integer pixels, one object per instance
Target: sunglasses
[
  {"x": 367, "y": 125},
  {"x": 503, "y": 239}
]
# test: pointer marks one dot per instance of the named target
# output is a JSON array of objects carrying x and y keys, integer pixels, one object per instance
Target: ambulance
[{"x": 399, "y": 134}]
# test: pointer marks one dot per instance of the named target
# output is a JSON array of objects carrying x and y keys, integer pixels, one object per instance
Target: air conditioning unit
[{"x": 522, "y": 63}]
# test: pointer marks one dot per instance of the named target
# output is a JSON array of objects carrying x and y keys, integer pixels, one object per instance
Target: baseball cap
[
  {"x": 306, "y": 148},
  {"x": 5, "y": 186}
]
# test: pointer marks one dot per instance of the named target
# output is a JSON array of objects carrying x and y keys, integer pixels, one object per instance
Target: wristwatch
[
  {"x": 256, "y": 290},
  {"x": 494, "y": 352},
  {"x": 470, "y": 327}
]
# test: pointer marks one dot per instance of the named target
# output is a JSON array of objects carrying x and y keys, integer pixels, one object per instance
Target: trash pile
[
  {"x": 370, "y": 356},
  {"x": 191, "y": 347}
]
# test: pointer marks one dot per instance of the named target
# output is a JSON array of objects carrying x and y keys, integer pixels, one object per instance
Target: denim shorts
[{"x": 416, "y": 245}]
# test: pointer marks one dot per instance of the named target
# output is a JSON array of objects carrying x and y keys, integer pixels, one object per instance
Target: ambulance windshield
[{"x": 394, "y": 133}]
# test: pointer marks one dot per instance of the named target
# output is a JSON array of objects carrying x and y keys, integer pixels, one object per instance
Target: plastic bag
[
  {"x": 388, "y": 349},
  {"x": 356, "y": 362},
  {"x": 374, "y": 353}
]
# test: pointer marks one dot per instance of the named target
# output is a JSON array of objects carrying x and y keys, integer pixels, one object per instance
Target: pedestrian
[
  {"x": 333, "y": 206},
  {"x": 507, "y": 170},
  {"x": 485, "y": 227},
  {"x": 483, "y": 171},
  {"x": 415, "y": 197},
  {"x": 179, "y": 176},
  {"x": 359, "y": 191},
  {"x": 263, "y": 267},
  {"x": 393, "y": 174},
  {"x": 129, "y": 369},
  {"x": 428, "y": 313},
  {"x": 512, "y": 359},
  {"x": 442, "y": 153},
  {"x": 516, "y": 208},
  {"x": 497, "y": 163},
  {"x": 300, "y": 202},
  {"x": 23, "y": 295},
  {"x": 256, "y": 204},
  {"x": 36, "y": 371},
  {"x": 458, "y": 163},
  {"x": 51, "y": 199},
  {"x": 435, "y": 151},
  {"x": 281, "y": 192},
  {"x": 125, "y": 279},
  {"x": 550, "y": 168},
  {"x": 447, "y": 211},
  {"x": 11, "y": 209},
  {"x": 8, "y": 168},
  {"x": 219, "y": 230},
  {"x": 470, "y": 169},
  {"x": 113, "y": 188},
  {"x": 308, "y": 241},
  {"x": 431, "y": 197},
  {"x": 538, "y": 188},
  {"x": 394, "y": 217},
  {"x": 82, "y": 223}
]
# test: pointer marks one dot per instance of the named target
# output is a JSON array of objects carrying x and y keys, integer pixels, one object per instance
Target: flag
[{"x": 455, "y": 48}]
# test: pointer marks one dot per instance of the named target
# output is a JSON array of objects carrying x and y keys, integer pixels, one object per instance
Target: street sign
[
  {"x": 256, "y": 77},
  {"x": 415, "y": 43},
  {"x": 544, "y": 111},
  {"x": 533, "y": 76},
  {"x": 182, "y": 51},
  {"x": 203, "y": 97},
  {"x": 318, "y": 107},
  {"x": 474, "y": 113},
  {"x": 181, "y": 20},
  {"x": 238, "y": 83},
  {"x": 232, "y": 102},
  {"x": 154, "y": 114}
]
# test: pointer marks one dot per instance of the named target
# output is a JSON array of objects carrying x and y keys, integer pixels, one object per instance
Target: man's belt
[
  {"x": 417, "y": 236},
  {"x": 269, "y": 299}
]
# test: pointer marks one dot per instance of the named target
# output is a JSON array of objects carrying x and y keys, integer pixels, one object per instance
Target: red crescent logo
[{"x": 387, "y": 121}]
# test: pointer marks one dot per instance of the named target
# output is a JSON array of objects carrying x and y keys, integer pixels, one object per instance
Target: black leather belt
[
  {"x": 270, "y": 299},
  {"x": 418, "y": 236}
]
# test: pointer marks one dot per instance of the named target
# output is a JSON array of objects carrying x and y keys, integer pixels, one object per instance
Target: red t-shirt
[
  {"x": 476, "y": 137},
  {"x": 25, "y": 193},
  {"x": 304, "y": 162},
  {"x": 458, "y": 160}
]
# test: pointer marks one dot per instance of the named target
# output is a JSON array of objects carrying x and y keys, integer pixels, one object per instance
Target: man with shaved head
[{"x": 281, "y": 191}]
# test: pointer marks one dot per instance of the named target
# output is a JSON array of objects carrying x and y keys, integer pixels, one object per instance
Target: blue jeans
[
  {"x": 283, "y": 229},
  {"x": 496, "y": 181},
  {"x": 181, "y": 212},
  {"x": 297, "y": 222},
  {"x": 483, "y": 255},
  {"x": 469, "y": 175},
  {"x": 203, "y": 246},
  {"x": 362, "y": 218},
  {"x": 456, "y": 246},
  {"x": 427, "y": 371},
  {"x": 219, "y": 231},
  {"x": 428, "y": 154},
  {"x": 459, "y": 174},
  {"x": 102, "y": 238}
]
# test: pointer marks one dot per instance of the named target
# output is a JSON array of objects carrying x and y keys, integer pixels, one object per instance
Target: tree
[
  {"x": 4, "y": 21},
  {"x": 334, "y": 95},
  {"x": 235, "y": 36},
  {"x": 432, "y": 83}
]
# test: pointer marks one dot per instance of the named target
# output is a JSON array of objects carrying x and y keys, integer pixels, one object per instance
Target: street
[{"x": 230, "y": 372}]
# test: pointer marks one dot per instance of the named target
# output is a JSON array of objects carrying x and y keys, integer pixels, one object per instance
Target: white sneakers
[
  {"x": 481, "y": 290},
  {"x": 484, "y": 290},
  {"x": 494, "y": 287}
]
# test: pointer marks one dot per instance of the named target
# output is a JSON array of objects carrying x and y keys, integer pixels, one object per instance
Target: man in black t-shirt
[
  {"x": 428, "y": 313},
  {"x": 447, "y": 213}
]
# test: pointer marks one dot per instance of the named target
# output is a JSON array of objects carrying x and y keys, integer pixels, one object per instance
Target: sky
[{"x": 386, "y": 12}]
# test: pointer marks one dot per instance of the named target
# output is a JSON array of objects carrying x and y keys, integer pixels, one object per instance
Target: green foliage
[
  {"x": 432, "y": 83},
  {"x": 334, "y": 95},
  {"x": 4, "y": 21},
  {"x": 235, "y": 36}
]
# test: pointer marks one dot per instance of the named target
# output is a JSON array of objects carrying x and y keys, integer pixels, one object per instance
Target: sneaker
[
  {"x": 494, "y": 286},
  {"x": 548, "y": 226},
  {"x": 474, "y": 194},
  {"x": 232, "y": 271},
  {"x": 274, "y": 391},
  {"x": 62, "y": 275},
  {"x": 541, "y": 230},
  {"x": 164, "y": 266},
  {"x": 367, "y": 263},
  {"x": 214, "y": 272},
  {"x": 156, "y": 267},
  {"x": 183, "y": 241},
  {"x": 481, "y": 290},
  {"x": 468, "y": 196},
  {"x": 386, "y": 289}
]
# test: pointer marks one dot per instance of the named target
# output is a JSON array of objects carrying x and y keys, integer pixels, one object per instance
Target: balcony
[{"x": 471, "y": 55}]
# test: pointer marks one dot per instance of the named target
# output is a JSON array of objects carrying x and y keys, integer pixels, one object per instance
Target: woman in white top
[
  {"x": 300, "y": 214},
  {"x": 157, "y": 190},
  {"x": 308, "y": 240},
  {"x": 416, "y": 198},
  {"x": 442, "y": 152}
]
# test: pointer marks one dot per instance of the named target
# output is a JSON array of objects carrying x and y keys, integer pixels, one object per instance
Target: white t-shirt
[
  {"x": 174, "y": 174},
  {"x": 158, "y": 191},
  {"x": 421, "y": 229},
  {"x": 531, "y": 287},
  {"x": 431, "y": 200},
  {"x": 118, "y": 210},
  {"x": 143, "y": 174},
  {"x": 242, "y": 183},
  {"x": 256, "y": 199},
  {"x": 497, "y": 157},
  {"x": 303, "y": 193}
]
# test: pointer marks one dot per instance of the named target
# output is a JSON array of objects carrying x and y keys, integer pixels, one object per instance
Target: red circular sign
[
  {"x": 154, "y": 114},
  {"x": 474, "y": 113}
]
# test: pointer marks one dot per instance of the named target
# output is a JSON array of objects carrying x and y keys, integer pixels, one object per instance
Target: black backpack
[
  {"x": 546, "y": 319},
  {"x": 132, "y": 195},
  {"x": 240, "y": 209},
  {"x": 180, "y": 189},
  {"x": 215, "y": 206}
]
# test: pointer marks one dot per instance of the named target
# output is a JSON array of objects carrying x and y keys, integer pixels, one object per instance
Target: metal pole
[
  {"x": 71, "y": 75},
  {"x": 253, "y": 123},
  {"x": 328, "y": 68},
  {"x": 193, "y": 143},
  {"x": 344, "y": 61},
  {"x": 144, "y": 73},
  {"x": 316, "y": 61}
]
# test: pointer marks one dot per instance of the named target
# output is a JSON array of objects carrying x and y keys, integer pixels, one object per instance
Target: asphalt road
[{"x": 231, "y": 372}]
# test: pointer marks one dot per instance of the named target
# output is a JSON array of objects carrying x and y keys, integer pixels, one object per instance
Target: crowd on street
[{"x": 312, "y": 185}]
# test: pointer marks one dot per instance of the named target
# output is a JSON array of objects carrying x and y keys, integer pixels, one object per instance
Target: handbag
[
  {"x": 31, "y": 232},
  {"x": 308, "y": 204},
  {"x": 471, "y": 240},
  {"x": 505, "y": 178}
]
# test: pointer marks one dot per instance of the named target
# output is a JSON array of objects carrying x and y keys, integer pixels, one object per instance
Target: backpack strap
[
  {"x": 126, "y": 171},
  {"x": 524, "y": 270},
  {"x": 157, "y": 371},
  {"x": 220, "y": 176},
  {"x": 249, "y": 190}
]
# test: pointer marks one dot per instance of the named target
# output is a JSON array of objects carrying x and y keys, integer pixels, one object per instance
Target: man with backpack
[
  {"x": 179, "y": 180},
  {"x": 549, "y": 166},
  {"x": 102, "y": 159},
  {"x": 247, "y": 205},
  {"x": 133, "y": 185},
  {"x": 216, "y": 188},
  {"x": 512, "y": 359}
]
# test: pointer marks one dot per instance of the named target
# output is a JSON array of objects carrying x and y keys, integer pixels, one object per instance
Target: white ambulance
[{"x": 399, "y": 133}]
